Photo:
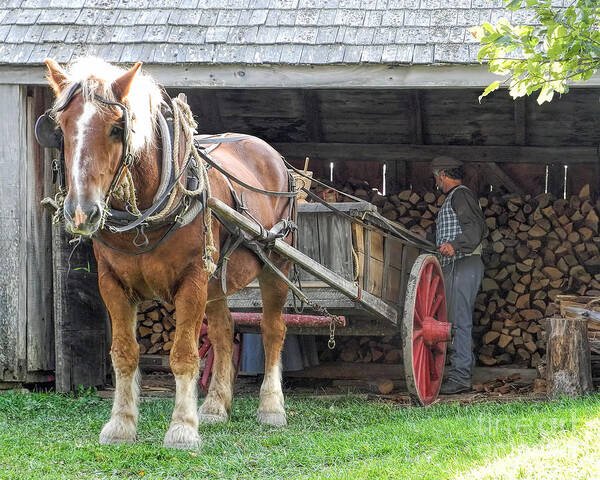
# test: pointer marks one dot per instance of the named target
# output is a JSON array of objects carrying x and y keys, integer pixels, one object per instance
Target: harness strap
[{"x": 218, "y": 167}]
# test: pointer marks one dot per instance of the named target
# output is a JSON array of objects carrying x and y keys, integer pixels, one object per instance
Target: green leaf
[{"x": 489, "y": 89}]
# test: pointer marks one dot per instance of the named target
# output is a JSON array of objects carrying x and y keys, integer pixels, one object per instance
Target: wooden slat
[
  {"x": 367, "y": 300},
  {"x": 520, "y": 116},
  {"x": 13, "y": 240},
  {"x": 40, "y": 322},
  {"x": 312, "y": 115},
  {"x": 80, "y": 318},
  {"x": 335, "y": 242},
  {"x": 308, "y": 240},
  {"x": 426, "y": 153}
]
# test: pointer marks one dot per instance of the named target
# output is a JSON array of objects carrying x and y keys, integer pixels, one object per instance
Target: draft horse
[{"x": 107, "y": 119}]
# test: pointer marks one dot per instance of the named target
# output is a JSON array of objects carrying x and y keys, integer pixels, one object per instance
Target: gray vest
[{"x": 447, "y": 228}]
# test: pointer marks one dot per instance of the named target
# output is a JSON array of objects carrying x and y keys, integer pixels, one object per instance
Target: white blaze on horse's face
[{"x": 87, "y": 164}]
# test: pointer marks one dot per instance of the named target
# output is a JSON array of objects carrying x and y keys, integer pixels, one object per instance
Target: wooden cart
[{"x": 376, "y": 275}]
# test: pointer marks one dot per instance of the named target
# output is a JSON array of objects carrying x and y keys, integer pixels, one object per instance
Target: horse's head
[{"x": 94, "y": 116}]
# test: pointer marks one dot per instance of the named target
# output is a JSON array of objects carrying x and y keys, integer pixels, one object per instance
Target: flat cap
[{"x": 445, "y": 163}]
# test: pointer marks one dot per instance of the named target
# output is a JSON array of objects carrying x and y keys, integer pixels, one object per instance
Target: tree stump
[{"x": 569, "y": 368}]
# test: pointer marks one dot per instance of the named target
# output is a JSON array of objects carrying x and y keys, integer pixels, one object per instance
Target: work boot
[{"x": 450, "y": 387}]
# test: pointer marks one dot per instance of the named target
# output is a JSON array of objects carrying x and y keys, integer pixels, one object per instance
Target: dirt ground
[{"x": 162, "y": 385}]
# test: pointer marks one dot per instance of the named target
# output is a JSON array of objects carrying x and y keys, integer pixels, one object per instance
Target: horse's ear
[
  {"x": 56, "y": 76},
  {"x": 122, "y": 84}
]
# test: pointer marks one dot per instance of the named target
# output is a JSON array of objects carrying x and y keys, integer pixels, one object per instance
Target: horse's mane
[{"x": 144, "y": 99}]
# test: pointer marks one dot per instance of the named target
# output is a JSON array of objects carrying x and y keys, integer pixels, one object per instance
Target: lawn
[{"x": 55, "y": 436}]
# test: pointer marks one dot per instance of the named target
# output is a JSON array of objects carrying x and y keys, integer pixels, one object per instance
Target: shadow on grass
[{"x": 53, "y": 436}]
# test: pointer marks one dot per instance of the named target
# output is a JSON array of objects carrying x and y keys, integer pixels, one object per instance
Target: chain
[{"x": 333, "y": 321}]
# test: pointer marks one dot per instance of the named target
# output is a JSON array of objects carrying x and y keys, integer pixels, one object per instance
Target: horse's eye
[{"x": 116, "y": 131}]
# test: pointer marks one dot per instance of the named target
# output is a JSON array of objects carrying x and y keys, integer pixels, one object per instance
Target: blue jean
[{"x": 462, "y": 279}]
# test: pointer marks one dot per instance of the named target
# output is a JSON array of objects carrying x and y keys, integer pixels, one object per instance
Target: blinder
[{"x": 47, "y": 132}]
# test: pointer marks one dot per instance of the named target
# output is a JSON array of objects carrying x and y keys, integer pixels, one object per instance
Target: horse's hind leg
[
  {"x": 274, "y": 293},
  {"x": 124, "y": 352},
  {"x": 217, "y": 405},
  {"x": 190, "y": 302}
]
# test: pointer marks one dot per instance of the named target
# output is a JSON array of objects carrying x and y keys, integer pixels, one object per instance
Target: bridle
[{"x": 49, "y": 134}]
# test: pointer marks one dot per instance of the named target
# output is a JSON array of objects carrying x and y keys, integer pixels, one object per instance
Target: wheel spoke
[
  {"x": 436, "y": 305},
  {"x": 417, "y": 315},
  {"x": 432, "y": 292}
]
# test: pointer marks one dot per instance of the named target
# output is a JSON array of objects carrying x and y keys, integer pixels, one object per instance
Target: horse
[{"x": 108, "y": 118}]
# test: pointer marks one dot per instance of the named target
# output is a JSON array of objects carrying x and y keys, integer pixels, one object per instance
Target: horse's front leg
[
  {"x": 124, "y": 352},
  {"x": 190, "y": 302}
]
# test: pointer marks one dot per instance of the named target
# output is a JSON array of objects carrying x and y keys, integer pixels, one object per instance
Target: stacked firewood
[
  {"x": 538, "y": 247},
  {"x": 386, "y": 349},
  {"x": 155, "y": 327}
]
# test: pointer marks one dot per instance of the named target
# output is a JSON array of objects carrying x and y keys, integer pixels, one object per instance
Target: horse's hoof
[
  {"x": 182, "y": 436},
  {"x": 272, "y": 418},
  {"x": 115, "y": 433},
  {"x": 211, "y": 418}
]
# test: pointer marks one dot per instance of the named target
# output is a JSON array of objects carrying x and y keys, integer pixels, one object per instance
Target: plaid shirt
[{"x": 447, "y": 228}]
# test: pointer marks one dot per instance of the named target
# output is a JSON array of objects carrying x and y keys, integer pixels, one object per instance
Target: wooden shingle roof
[{"x": 288, "y": 32}]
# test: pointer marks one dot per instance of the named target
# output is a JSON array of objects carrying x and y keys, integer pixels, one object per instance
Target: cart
[{"x": 376, "y": 277}]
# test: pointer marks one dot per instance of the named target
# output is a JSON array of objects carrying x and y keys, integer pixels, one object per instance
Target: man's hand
[{"x": 446, "y": 249}]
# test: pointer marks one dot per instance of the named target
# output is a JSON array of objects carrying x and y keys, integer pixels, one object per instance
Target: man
[{"x": 460, "y": 229}]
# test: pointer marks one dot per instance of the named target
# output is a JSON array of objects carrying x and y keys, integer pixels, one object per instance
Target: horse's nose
[
  {"x": 83, "y": 217},
  {"x": 95, "y": 214}
]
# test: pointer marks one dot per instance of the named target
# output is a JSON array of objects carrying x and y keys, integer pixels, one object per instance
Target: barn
[{"x": 369, "y": 90}]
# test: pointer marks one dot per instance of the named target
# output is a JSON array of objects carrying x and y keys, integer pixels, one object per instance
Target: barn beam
[
  {"x": 498, "y": 176},
  {"x": 425, "y": 153}
]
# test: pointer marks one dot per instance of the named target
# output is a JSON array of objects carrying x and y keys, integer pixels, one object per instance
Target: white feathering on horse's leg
[
  {"x": 183, "y": 431},
  {"x": 271, "y": 409},
  {"x": 122, "y": 426}
]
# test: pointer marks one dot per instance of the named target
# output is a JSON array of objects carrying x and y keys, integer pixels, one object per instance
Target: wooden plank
[
  {"x": 376, "y": 305},
  {"x": 347, "y": 207},
  {"x": 416, "y": 117},
  {"x": 520, "y": 116},
  {"x": 497, "y": 176},
  {"x": 425, "y": 153},
  {"x": 295, "y": 76},
  {"x": 80, "y": 318},
  {"x": 308, "y": 240},
  {"x": 556, "y": 179},
  {"x": 249, "y": 299},
  {"x": 13, "y": 234},
  {"x": 312, "y": 114},
  {"x": 209, "y": 115},
  {"x": 335, "y": 244},
  {"x": 348, "y": 370},
  {"x": 40, "y": 322}
]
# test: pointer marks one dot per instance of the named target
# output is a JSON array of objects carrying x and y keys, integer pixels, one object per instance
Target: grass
[{"x": 54, "y": 436}]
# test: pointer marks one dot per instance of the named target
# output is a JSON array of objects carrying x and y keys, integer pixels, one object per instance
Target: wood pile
[
  {"x": 155, "y": 328},
  {"x": 508, "y": 384},
  {"x": 538, "y": 247}
]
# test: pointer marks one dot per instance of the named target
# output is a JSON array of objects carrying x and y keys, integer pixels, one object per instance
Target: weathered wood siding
[
  {"x": 40, "y": 321},
  {"x": 13, "y": 234}
]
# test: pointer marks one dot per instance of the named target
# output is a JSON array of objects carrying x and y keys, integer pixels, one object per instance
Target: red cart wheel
[
  {"x": 425, "y": 329},
  {"x": 206, "y": 351}
]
